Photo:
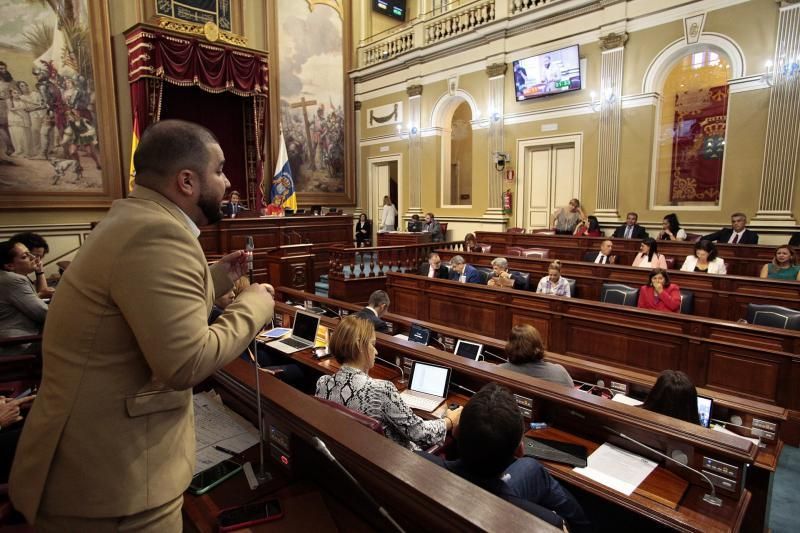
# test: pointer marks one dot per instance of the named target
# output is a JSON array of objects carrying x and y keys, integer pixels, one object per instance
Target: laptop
[
  {"x": 415, "y": 226},
  {"x": 427, "y": 386},
  {"x": 704, "y": 406},
  {"x": 419, "y": 334},
  {"x": 304, "y": 331},
  {"x": 470, "y": 350}
]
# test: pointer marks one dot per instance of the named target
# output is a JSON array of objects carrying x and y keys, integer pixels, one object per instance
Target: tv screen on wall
[
  {"x": 391, "y": 8},
  {"x": 555, "y": 72}
]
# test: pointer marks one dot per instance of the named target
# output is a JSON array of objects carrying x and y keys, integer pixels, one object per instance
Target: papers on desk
[
  {"x": 616, "y": 468},
  {"x": 627, "y": 400},
  {"x": 216, "y": 425},
  {"x": 723, "y": 429},
  {"x": 274, "y": 333},
  {"x": 402, "y": 336}
]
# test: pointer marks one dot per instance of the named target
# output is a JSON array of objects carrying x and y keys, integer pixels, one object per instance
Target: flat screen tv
[
  {"x": 555, "y": 72},
  {"x": 391, "y": 8}
]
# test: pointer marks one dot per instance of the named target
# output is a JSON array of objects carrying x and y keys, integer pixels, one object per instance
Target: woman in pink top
[
  {"x": 648, "y": 256},
  {"x": 660, "y": 294}
]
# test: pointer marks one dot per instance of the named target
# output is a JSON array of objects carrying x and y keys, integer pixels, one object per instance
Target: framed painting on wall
[
  {"x": 310, "y": 55},
  {"x": 58, "y": 117}
]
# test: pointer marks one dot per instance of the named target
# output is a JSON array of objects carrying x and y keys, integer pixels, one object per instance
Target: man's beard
[{"x": 211, "y": 208}]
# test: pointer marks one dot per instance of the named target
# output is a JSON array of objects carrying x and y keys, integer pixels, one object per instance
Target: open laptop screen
[
  {"x": 470, "y": 350},
  {"x": 305, "y": 326},
  {"x": 704, "y": 406},
  {"x": 430, "y": 379},
  {"x": 419, "y": 334}
]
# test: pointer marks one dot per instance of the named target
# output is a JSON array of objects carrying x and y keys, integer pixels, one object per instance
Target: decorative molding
[
  {"x": 414, "y": 90},
  {"x": 199, "y": 30},
  {"x": 613, "y": 41},
  {"x": 357, "y": 105},
  {"x": 452, "y": 85},
  {"x": 693, "y": 27},
  {"x": 385, "y": 115},
  {"x": 496, "y": 69}
]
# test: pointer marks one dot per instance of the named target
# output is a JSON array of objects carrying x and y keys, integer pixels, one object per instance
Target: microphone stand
[
  {"x": 262, "y": 476},
  {"x": 400, "y": 368}
]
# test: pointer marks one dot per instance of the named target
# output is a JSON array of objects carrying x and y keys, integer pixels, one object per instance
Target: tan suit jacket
[{"x": 111, "y": 432}]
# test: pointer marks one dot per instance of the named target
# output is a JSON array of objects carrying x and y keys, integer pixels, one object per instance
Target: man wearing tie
[
  {"x": 630, "y": 230},
  {"x": 434, "y": 268},
  {"x": 233, "y": 208},
  {"x": 736, "y": 234},
  {"x": 603, "y": 257}
]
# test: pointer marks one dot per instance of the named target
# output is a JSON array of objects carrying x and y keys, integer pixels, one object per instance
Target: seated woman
[
  {"x": 22, "y": 312},
  {"x": 363, "y": 230},
  {"x": 648, "y": 256},
  {"x": 565, "y": 219},
  {"x": 525, "y": 353},
  {"x": 660, "y": 294},
  {"x": 672, "y": 230},
  {"x": 353, "y": 346},
  {"x": 553, "y": 282},
  {"x": 704, "y": 259},
  {"x": 783, "y": 266},
  {"x": 470, "y": 244},
  {"x": 275, "y": 209},
  {"x": 674, "y": 395},
  {"x": 589, "y": 227}
]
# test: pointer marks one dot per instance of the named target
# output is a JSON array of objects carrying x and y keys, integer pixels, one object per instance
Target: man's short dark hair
[
  {"x": 489, "y": 432},
  {"x": 7, "y": 253},
  {"x": 169, "y": 146},
  {"x": 30, "y": 240},
  {"x": 378, "y": 298}
]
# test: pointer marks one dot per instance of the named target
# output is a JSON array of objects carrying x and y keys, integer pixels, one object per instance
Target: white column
[
  {"x": 414, "y": 127},
  {"x": 497, "y": 76},
  {"x": 362, "y": 184}
]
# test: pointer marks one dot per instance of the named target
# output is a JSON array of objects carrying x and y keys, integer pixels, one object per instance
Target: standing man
[
  {"x": 110, "y": 443},
  {"x": 388, "y": 215},
  {"x": 433, "y": 227},
  {"x": 630, "y": 229},
  {"x": 603, "y": 257},
  {"x": 377, "y": 306},
  {"x": 736, "y": 234}
]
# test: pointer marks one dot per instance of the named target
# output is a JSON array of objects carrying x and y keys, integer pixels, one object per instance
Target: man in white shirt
[
  {"x": 736, "y": 234},
  {"x": 377, "y": 306},
  {"x": 603, "y": 257},
  {"x": 434, "y": 268},
  {"x": 388, "y": 215}
]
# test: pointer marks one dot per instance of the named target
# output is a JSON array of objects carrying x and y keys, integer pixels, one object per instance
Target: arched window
[
  {"x": 457, "y": 182},
  {"x": 691, "y": 126}
]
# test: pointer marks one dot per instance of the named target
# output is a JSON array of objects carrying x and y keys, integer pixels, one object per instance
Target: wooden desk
[{"x": 399, "y": 238}]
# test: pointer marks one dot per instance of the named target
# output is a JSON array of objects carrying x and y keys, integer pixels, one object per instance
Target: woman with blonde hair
[
  {"x": 353, "y": 346},
  {"x": 783, "y": 265},
  {"x": 554, "y": 282}
]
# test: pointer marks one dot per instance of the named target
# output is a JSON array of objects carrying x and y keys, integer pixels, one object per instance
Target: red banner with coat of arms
[{"x": 698, "y": 144}]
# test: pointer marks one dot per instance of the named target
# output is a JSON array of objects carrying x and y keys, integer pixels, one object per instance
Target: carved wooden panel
[{"x": 744, "y": 375}]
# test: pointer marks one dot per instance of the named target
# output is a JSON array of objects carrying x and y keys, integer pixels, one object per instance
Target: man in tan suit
[{"x": 109, "y": 444}]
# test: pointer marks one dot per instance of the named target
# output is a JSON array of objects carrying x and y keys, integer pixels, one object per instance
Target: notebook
[
  {"x": 427, "y": 386},
  {"x": 470, "y": 350},
  {"x": 704, "y": 406},
  {"x": 553, "y": 450},
  {"x": 304, "y": 332}
]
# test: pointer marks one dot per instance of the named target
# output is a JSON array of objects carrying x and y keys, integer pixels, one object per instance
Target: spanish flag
[
  {"x": 134, "y": 143},
  {"x": 282, "y": 182}
]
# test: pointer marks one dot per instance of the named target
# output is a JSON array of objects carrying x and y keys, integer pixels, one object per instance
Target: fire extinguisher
[{"x": 508, "y": 200}]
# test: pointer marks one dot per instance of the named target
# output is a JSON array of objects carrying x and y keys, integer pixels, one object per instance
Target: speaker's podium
[{"x": 291, "y": 265}]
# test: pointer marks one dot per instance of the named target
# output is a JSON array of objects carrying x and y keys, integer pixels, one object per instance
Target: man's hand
[
  {"x": 10, "y": 410},
  {"x": 264, "y": 290},
  {"x": 235, "y": 264}
]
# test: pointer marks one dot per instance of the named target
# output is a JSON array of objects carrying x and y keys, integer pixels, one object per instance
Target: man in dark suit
[
  {"x": 630, "y": 229},
  {"x": 461, "y": 271},
  {"x": 501, "y": 277},
  {"x": 603, "y": 257},
  {"x": 377, "y": 306},
  {"x": 434, "y": 268},
  {"x": 234, "y": 208},
  {"x": 736, "y": 234},
  {"x": 433, "y": 227}
]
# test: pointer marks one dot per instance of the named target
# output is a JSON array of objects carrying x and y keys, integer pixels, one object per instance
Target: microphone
[
  {"x": 461, "y": 387},
  {"x": 712, "y": 498},
  {"x": 437, "y": 341},
  {"x": 250, "y": 246},
  {"x": 402, "y": 374},
  {"x": 487, "y": 352},
  {"x": 320, "y": 446}
]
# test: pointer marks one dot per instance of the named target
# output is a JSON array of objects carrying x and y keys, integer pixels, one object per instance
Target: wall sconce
[
  {"x": 789, "y": 69},
  {"x": 411, "y": 129},
  {"x": 608, "y": 98},
  {"x": 501, "y": 159},
  {"x": 495, "y": 116}
]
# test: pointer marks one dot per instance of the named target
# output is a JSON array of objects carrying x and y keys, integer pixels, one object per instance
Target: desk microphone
[
  {"x": 250, "y": 246},
  {"x": 711, "y": 498},
  {"x": 402, "y": 374},
  {"x": 461, "y": 387},
  {"x": 437, "y": 341},
  {"x": 487, "y": 352},
  {"x": 320, "y": 446}
]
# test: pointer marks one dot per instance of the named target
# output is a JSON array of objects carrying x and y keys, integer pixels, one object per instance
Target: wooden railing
[{"x": 376, "y": 261}]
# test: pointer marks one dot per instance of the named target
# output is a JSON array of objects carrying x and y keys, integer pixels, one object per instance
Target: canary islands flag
[
  {"x": 134, "y": 144},
  {"x": 282, "y": 182}
]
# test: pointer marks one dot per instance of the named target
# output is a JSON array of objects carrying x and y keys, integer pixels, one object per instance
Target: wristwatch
[{"x": 40, "y": 273}]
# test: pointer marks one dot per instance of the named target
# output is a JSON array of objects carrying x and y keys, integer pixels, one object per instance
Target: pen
[{"x": 226, "y": 450}]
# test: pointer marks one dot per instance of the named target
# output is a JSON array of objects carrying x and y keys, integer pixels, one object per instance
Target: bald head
[{"x": 169, "y": 146}]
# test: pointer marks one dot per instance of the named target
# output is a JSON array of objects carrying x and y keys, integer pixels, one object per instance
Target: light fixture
[
  {"x": 608, "y": 98},
  {"x": 788, "y": 69}
]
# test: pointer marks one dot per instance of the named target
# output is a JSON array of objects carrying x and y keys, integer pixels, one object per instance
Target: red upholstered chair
[
  {"x": 544, "y": 231},
  {"x": 444, "y": 229},
  {"x": 514, "y": 250},
  {"x": 538, "y": 253},
  {"x": 485, "y": 248},
  {"x": 693, "y": 237},
  {"x": 670, "y": 262},
  {"x": 515, "y": 230}
]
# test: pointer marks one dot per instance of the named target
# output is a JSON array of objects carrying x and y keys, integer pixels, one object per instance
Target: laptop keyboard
[
  {"x": 295, "y": 343},
  {"x": 423, "y": 404}
]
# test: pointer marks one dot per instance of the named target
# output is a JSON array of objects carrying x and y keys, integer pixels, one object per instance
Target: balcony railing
[
  {"x": 460, "y": 21},
  {"x": 375, "y": 261}
]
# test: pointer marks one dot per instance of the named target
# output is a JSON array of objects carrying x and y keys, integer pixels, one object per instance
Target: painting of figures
[
  {"x": 49, "y": 135},
  {"x": 311, "y": 63}
]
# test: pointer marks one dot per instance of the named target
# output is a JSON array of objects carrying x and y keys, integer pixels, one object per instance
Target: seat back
[
  {"x": 773, "y": 316},
  {"x": 615, "y": 293},
  {"x": 572, "y": 286},
  {"x": 515, "y": 230},
  {"x": 484, "y": 248},
  {"x": 361, "y": 418},
  {"x": 670, "y": 262},
  {"x": 539, "y": 253},
  {"x": 443, "y": 225},
  {"x": 485, "y": 273},
  {"x": 687, "y": 302},
  {"x": 514, "y": 250},
  {"x": 693, "y": 237},
  {"x": 526, "y": 277}
]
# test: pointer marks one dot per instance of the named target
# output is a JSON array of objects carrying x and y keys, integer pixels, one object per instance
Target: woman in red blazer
[{"x": 660, "y": 294}]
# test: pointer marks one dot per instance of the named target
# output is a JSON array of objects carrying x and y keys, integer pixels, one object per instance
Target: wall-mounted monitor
[
  {"x": 391, "y": 8},
  {"x": 555, "y": 72}
]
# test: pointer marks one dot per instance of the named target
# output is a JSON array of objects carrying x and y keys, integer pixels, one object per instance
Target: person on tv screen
[{"x": 551, "y": 73}]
